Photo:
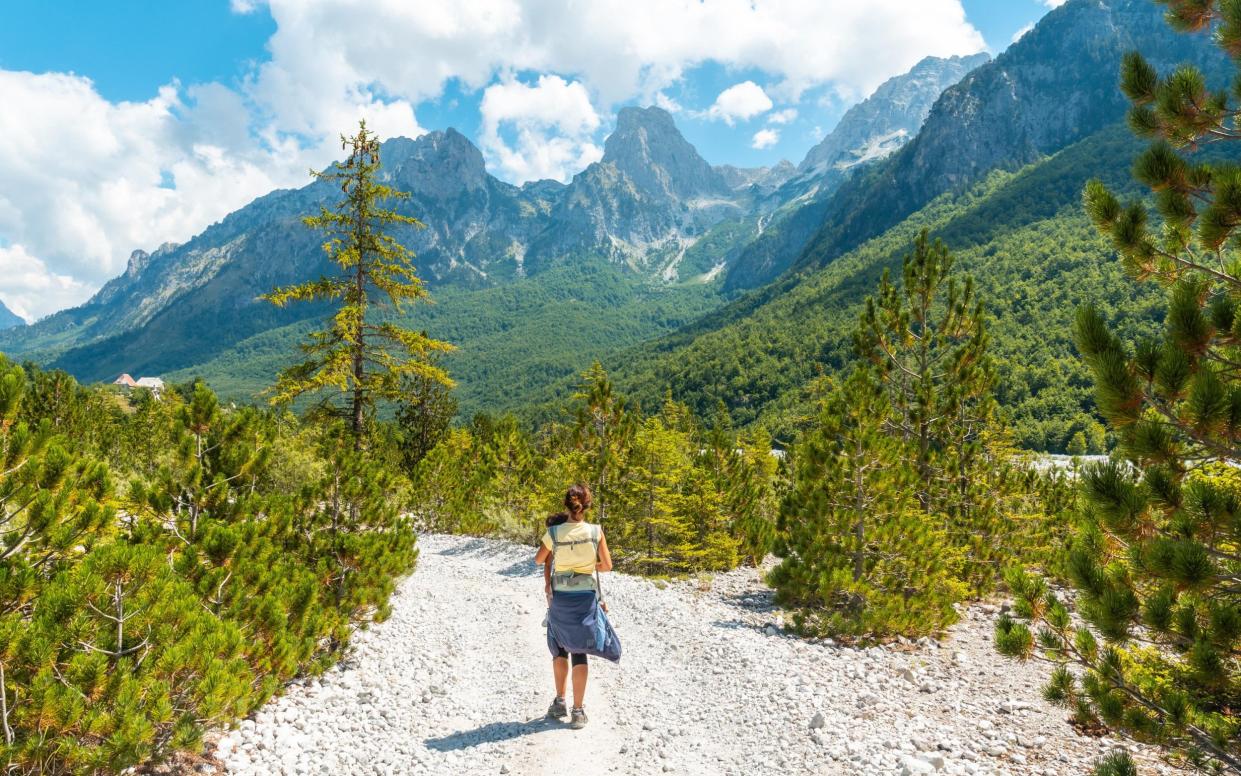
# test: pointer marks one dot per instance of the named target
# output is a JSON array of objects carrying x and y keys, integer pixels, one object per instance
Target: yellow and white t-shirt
[{"x": 574, "y": 548}]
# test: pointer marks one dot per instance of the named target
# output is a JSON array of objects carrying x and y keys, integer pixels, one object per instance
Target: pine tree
[
  {"x": 119, "y": 664},
  {"x": 53, "y": 504},
  {"x": 449, "y": 489},
  {"x": 362, "y": 356},
  {"x": 1157, "y": 563},
  {"x": 653, "y": 537},
  {"x": 928, "y": 341},
  {"x": 702, "y": 508},
  {"x": 359, "y": 539},
  {"x": 217, "y": 461},
  {"x": 859, "y": 557},
  {"x": 423, "y": 417},
  {"x": 1118, "y": 763},
  {"x": 507, "y": 458},
  {"x": 603, "y": 430},
  {"x": 751, "y": 497}
]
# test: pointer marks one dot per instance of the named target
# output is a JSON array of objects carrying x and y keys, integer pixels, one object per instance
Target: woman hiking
[{"x": 572, "y": 551}]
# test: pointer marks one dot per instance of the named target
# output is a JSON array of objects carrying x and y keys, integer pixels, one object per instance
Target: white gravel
[{"x": 457, "y": 681}]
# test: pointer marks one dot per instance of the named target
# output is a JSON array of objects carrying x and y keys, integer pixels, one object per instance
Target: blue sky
[
  {"x": 129, "y": 48},
  {"x": 134, "y": 122}
]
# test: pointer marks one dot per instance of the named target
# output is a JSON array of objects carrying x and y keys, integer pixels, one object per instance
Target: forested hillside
[
  {"x": 811, "y": 406},
  {"x": 1024, "y": 238}
]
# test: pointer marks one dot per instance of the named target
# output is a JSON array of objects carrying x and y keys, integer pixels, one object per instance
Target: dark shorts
[{"x": 577, "y": 658}]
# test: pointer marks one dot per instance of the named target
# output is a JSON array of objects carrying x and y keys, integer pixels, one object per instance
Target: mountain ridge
[
  {"x": 652, "y": 206},
  {"x": 1054, "y": 86},
  {"x": 868, "y": 133}
]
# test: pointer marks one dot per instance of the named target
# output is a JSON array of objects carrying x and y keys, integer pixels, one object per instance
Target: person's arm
[
  {"x": 544, "y": 557},
  {"x": 605, "y": 558}
]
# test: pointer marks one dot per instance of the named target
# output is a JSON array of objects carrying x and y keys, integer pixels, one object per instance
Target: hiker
[{"x": 571, "y": 553}]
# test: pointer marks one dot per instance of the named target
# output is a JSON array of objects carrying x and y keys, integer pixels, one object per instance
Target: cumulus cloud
[
  {"x": 785, "y": 116},
  {"x": 31, "y": 290},
  {"x": 740, "y": 101},
  {"x": 84, "y": 181},
  {"x": 553, "y": 122},
  {"x": 667, "y": 103},
  {"x": 1053, "y": 3},
  {"x": 619, "y": 48},
  {"x": 765, "y": 138}
]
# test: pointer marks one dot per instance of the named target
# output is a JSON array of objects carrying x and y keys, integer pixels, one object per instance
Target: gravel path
[{"x": 456, "y": 682}]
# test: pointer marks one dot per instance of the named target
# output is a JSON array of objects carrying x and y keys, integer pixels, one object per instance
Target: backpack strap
[{"x": 596, "y": 536}]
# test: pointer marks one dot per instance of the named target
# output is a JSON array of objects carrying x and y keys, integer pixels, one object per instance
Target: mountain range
[
  {"x": 997, "y": 172},
  {"x": 652, "y": 225},
  {"x": 727, "y": 285}
]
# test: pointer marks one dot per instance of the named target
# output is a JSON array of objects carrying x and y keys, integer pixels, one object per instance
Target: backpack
[{"x": 572, "y": 581}]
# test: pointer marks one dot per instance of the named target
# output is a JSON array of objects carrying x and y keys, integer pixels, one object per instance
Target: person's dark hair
[
  {"x": 577, "y": 499},
  {"x": 557, "y": 519}
]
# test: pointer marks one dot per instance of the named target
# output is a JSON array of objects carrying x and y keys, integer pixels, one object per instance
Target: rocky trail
[{"x": 458, "y": 679}]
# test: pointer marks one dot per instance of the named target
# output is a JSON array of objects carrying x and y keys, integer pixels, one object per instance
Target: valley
[{"x": 918, "y": 455}]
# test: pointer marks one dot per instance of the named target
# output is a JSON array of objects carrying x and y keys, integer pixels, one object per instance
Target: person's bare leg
[
  {"x": 579, "y": 685},
  {"x": 560, "y": 670}
]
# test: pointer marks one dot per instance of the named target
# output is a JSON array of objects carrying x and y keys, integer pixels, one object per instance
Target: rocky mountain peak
[
  {"x": 138, "y": 260},
  {"x": 649, "y": 149},
  {"x": 890, "y": 117},
  {"x": 438, "y": 163}
]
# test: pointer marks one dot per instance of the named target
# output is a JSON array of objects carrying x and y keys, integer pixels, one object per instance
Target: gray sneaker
[
  {"x": 557, "y": 709},
  {"x": 578, "y": 720}
]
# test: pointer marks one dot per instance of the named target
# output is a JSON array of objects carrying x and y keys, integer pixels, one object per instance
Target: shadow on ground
[
  {"x": 493, "y": 732},
  {"x": 522, "y": 568},
  {"x": 752, "y": 600},
  {"x": 738, "y": 625},
  {"x": 475, "y": 547}
]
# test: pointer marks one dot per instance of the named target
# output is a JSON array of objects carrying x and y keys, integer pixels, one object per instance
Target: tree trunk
[{"x": 859, "y": 528}]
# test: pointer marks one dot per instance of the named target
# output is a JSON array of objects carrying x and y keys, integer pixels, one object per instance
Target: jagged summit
[
  {"x": 886, "y": 120},
  {"x": 649, "y": 149},
  {"x": 442, "y": 162}
]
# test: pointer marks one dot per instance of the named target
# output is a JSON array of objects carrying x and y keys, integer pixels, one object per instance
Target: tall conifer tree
[
  {"x": 603, "y": 430},
  {"x": 859, "y": 556},
  {"x": 362, "y": 356},
  {"x": 1158, "y": 558},
  {"x": 927, "y": 340}
]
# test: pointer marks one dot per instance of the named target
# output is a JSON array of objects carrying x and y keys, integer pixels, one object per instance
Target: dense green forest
[
  {"x": 589, "y": 307},
  {"x": 1035, "y": 258},
  {"x": 1022, "y": 235}
]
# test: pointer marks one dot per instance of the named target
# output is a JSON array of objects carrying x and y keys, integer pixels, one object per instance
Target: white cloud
[
  {"x": 667, "y": 103},
  {"x": 765, "y": 138},
  {"x": 620, "y": 48},
  {"x": 785, "y": 116},
  {"x": 1053, "y": 3},
  {"x": 553, "y": 121},
  {"x": 1019, "y": 34},
  {"x": 32, "y": 290},
  {"x": 740, "y": 101},
  {"x": 84, "y": 181}
]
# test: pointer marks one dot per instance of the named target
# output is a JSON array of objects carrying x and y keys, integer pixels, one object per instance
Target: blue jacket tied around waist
[{"x": 576, "y": 624}]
